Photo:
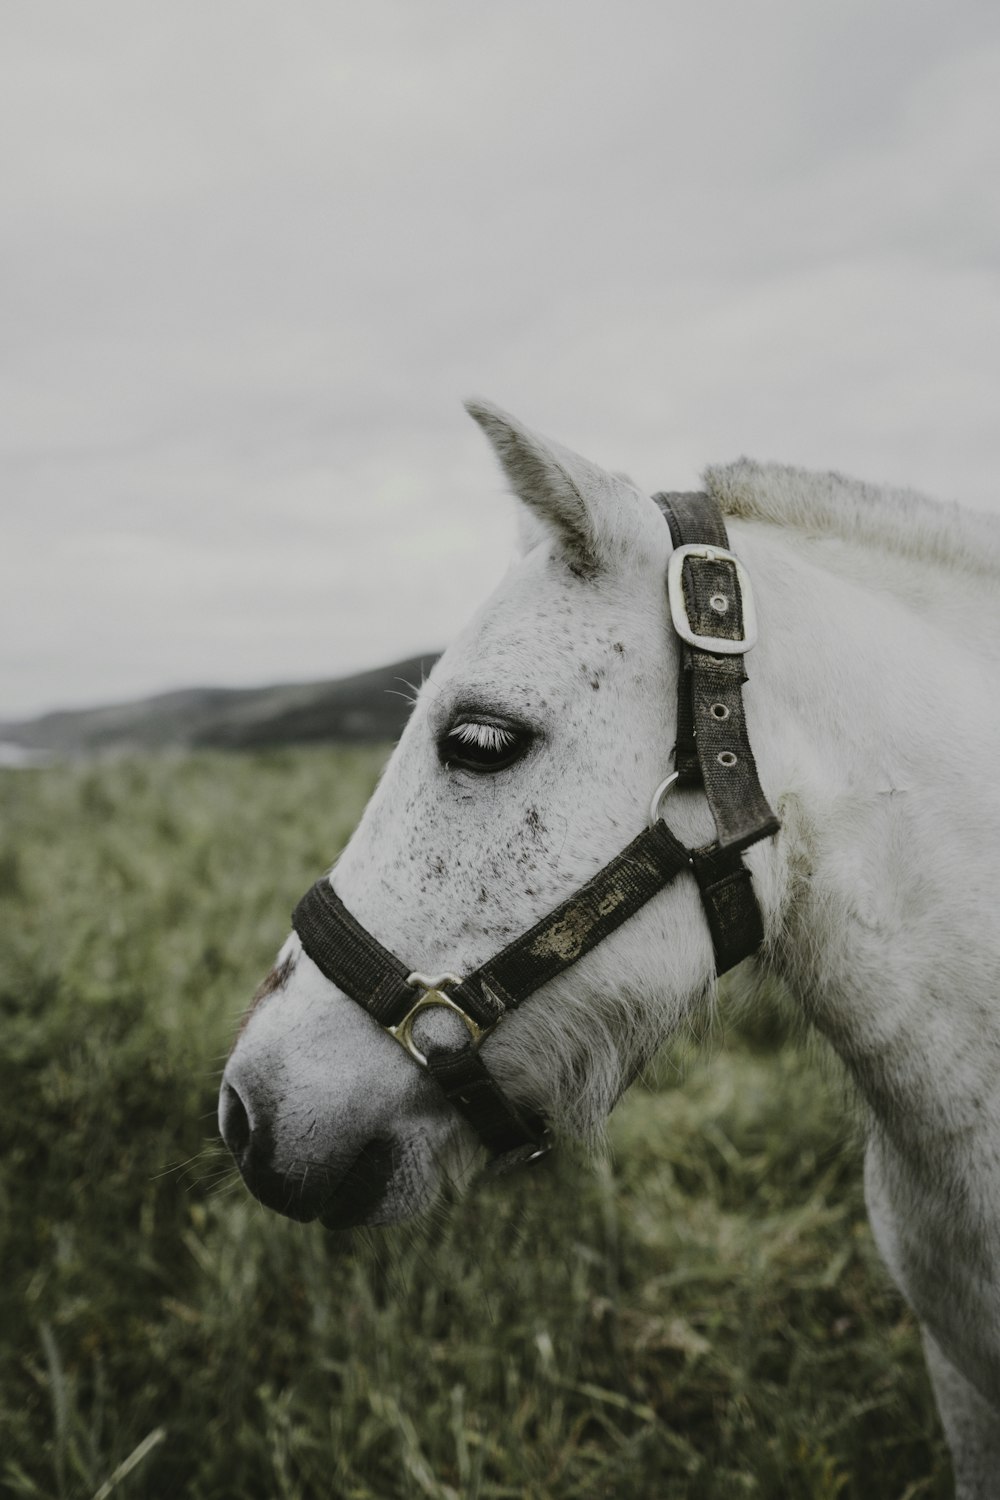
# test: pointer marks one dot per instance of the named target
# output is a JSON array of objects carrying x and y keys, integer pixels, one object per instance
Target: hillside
[{"x": 366, "y": 708}]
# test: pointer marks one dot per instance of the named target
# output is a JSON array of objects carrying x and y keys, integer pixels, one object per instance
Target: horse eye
[{"x": 477, "y": 745}]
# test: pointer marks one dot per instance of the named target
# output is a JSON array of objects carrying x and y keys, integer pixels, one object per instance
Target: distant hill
[{"x": 366, "y": 708}]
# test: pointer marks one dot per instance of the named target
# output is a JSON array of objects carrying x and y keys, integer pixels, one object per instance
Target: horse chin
[
  {"x": 373, "y": 1204},
  {"x": 387, "y": 1184}
]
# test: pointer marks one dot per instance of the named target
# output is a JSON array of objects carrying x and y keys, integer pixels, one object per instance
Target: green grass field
[{"x": 701, "y": 1315}]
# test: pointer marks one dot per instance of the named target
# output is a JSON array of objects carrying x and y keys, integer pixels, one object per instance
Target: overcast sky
[{"x": 255, "y": 254}]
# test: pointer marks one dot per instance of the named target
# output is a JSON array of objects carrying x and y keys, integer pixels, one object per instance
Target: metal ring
[
  {"x": 658, "y": 796},
  {"x": 433, "y": 997}
]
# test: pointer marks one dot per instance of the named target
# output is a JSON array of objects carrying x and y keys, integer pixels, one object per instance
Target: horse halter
[{"x": 711, "y": 607}]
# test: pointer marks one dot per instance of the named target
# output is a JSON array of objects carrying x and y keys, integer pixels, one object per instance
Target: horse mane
[{"x": 901, "y": 521}]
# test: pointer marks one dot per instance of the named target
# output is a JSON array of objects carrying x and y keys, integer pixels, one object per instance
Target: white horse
[{"x": 873, "y": 709}]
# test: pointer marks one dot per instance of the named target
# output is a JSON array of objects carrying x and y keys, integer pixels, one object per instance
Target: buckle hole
[
  {"x": 726, "y": 758},
  {"x": 719, "y": 711},
  {"x": 719, "y": 603}
]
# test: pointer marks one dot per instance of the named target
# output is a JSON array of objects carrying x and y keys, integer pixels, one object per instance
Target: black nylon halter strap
[
  {"x": 586, "y": 918},
  {"x": 350, "y": 956},
  {"x": 369, "y": 973},
  {"x": 357, "y": 963},
  {"x": 712, "y": 750}
]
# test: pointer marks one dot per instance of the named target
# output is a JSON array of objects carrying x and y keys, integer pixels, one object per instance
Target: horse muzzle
[{"x": 325, "y": 1116}]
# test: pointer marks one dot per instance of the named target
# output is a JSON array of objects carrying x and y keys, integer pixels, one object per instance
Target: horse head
[{"x": 528, "y": 762}]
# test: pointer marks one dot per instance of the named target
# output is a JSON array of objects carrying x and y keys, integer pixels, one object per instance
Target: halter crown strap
[
  {"x": 712, "y": 749},
  {"x": 713, "y": 616}
]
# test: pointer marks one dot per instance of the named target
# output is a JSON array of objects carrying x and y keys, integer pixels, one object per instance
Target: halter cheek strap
[{"x": 711, "y": 608}]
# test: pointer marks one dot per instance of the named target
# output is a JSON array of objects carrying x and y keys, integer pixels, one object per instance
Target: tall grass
[{"x": 701, "y": 1316}]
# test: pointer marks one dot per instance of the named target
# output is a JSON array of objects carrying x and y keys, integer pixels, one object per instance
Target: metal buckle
[
  {"x": 434, "y": 995},
  {"x": 717, "y": 644}
]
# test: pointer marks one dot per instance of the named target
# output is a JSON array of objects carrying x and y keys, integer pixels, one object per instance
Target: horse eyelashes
[
  {"x": 488, "y": 737},
  {"x": 474, "y": 745}
]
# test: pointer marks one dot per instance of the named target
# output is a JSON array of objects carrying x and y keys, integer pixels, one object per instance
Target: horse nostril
[
  {"x": 303, "y": 1186},
  {"x": 234, "y": 1122}
]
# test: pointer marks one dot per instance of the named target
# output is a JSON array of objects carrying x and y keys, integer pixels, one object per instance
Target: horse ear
[{"x": 595, "y": 515}]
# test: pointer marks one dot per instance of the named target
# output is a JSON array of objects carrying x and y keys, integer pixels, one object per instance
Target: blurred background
[{"x": 254, "y": 256}]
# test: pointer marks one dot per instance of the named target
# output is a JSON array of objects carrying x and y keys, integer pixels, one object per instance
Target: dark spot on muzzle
[{"x": 340, "y": 1195}]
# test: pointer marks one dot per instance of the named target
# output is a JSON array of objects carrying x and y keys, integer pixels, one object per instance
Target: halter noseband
[{"x": 711, "y": 608}]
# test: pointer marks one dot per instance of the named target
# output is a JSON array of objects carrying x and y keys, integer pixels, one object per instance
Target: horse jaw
[{"x": 447, "y": 866}]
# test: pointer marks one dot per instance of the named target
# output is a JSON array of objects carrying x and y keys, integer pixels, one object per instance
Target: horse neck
[{"x": 873, "y": 732}]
